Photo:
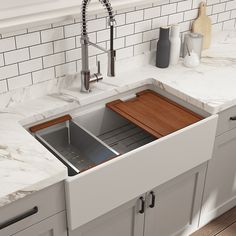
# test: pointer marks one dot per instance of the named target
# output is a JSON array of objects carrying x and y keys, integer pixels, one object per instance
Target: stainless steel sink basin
[
  {"x": 74, "y": 146},
  {"x": 114, "y": 130}
]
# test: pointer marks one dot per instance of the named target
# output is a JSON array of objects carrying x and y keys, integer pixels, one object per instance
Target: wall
[{"x": 39, "y": 54}]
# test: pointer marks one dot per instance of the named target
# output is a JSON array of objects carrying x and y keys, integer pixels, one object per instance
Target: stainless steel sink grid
[
  {"x": 126, "y": 138},
  {"x": 74, "y": 146}
]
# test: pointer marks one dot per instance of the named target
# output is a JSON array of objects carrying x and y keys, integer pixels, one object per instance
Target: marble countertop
[{"x": 26, "y": 166}]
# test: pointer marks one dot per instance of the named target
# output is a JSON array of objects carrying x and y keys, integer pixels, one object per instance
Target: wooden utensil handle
[{"x": 202, "y": 9}]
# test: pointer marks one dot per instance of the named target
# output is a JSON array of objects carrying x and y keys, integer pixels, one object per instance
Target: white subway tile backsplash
[
  {"x": 41, "y": 50},
  {"x": 151, "y": 35},
  {"x": 233, "y": 14},
  {"x": 53, "y": 60},
  {"x": 97, "y": 24},
  {"x": 224, "y": 16},
  {"x": 153, "y": 45},
  {"x": 66, "y": 69},
  {"x": 217, "y": 27},
  {"x": 152, "y": 12},
  {"x": 95, "y": 51},
  {"x": 43, "y": 75},
  {"x": 161, "y": 2},
  {"x": 143, "y": 26},
  {"x": 134, "y": 16},
  {"x": 103, "y": 35},
  {"x": 31, "y": 65},
  {"x": 7, "y": 44},
  {"x": 125, "y": 53},
  {"x": 176, "y": 18},
  {"x": 73, "y": 55},
  {"x": 141, "y": 48},
  {"x": 16, "y": 56},
  {"x": 134, "y": 39},
  {"x": 1, "y": 60},
  {"x": 64, "y": 44},
  {"x": 44, "y": 52},
  {"x": 230, "y": 5},
  {"x": 19, "y": 81},
  {"x": 184, "y": 5},
  {"x": 26, "y": 40},
  {"x": 8, "y": 71},
  {"x": 125, "y": 30},
  {"x": 190, "y": 15},
  {"x": 160, "y": 22},
  {"x": 52, "y": 34},
  {"x": 218, "y": 8},
  {"x": 72, "y": 30},
  {"x": 11, "y": 34},
  {"x": 120, "y": 19},
  {"x": 168, "y": 9},
  {"x": 196, "y": 3},
  {"x": 185, "y": 26},
  {"x": 229, "y": 25},
  {"x": 119, "y": 43},
  {"x": 3, "y": 86},
  {"x": 212, "y": 2}
]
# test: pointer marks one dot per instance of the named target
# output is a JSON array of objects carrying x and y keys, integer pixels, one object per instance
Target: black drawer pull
[
  {"x": 19, "y": 218},
  {"x": 141, "y": 211},
  {"x": 232, "y": 118},
  {"x": 152, "y": 205}
]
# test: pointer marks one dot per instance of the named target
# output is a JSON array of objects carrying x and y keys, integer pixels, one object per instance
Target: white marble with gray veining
[{"x": 26, "y": 166}]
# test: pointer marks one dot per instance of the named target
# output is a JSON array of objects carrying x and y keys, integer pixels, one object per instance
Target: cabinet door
[
  {"x": 125, "y": 220},
  {"x": 53, "y": 226},
  {"x": 177, "y": 204},
  {"x": 220, "y": 187}
]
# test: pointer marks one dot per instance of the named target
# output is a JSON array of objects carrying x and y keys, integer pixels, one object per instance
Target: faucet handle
[
  {"x": 99, "y": 67},
  {"x": 97, "y": 76}
]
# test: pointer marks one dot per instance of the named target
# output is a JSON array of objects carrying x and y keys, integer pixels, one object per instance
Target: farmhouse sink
[{"x": 128, "y": 160}]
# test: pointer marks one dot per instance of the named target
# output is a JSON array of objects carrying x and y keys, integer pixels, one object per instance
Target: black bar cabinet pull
[
  {"x": 19, "y": 218},
  {"x": 142, "y": 205},
  {"x": 232, "y": 118},
  {"x": 152, "y": 205}
]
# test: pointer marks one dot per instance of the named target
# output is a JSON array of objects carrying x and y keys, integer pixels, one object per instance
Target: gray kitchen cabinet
[
  {"x": 170, "y": 209},
  {"x": 220, "y": 187},
  {"x": 53, "y": 226},
  {"x": 32, "y": 209},
  {"x": 173, "y": 208},
  {"x": 126, "y": 220}
]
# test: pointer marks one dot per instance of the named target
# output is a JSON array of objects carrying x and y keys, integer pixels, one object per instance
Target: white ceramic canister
[{"x": 175, "y": 44}]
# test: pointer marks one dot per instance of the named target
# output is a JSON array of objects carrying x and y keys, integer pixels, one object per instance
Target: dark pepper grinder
[{"x": 163, "y": 48}]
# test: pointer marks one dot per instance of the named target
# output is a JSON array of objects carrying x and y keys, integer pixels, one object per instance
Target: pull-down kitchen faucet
[{"x": 86, "y": 77}]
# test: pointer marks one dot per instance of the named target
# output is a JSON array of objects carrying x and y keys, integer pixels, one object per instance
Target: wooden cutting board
[
  {"x": 202, "y": 25},
  {"x": 154, "y": 113}
]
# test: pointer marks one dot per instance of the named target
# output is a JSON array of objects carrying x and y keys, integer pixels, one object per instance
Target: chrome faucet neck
[{"x": 86, "y": 77}]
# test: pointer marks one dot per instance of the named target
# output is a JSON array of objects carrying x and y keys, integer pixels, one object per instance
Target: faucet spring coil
[{"x": 108, "y": 7}]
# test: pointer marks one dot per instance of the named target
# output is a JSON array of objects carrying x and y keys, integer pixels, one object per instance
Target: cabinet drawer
[
  {"x": 111, "y": 184},
  {"x": 31, "y": 209},
  {"x": 226, "y": 121},
  {"x": 53, "y": 226}
]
